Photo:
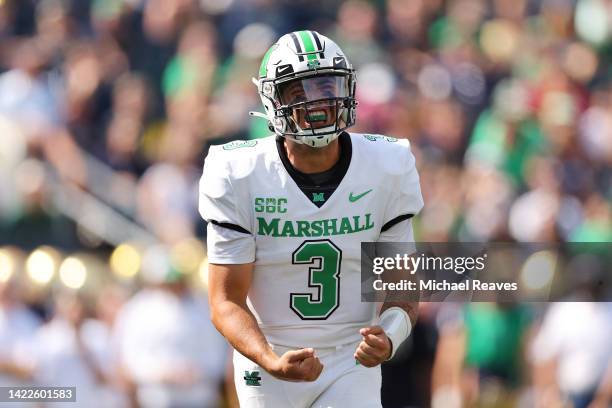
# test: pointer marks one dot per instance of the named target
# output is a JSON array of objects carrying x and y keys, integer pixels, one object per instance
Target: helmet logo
[
  {"x": 339, "y": 62},
  {"x": 267, "y": 88},
  {"x": 284, "y": 70},
  {"x": 313, "y": 64}
]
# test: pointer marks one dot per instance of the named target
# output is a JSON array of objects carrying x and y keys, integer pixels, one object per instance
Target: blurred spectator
[
  {"x": 28, "y": 94},
  {"x": 571, "y": 353},
  {"x": 73, "y": 351},
  {"x": 122, "y": 149},
  {"x": 168, "y": 346},
  {"x": 166, "y": 200},
  {"x": 480, "y": 355},
  {"x": 17, "y": 328}
]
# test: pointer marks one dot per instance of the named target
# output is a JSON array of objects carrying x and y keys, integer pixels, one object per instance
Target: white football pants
[{"x": 342, "y": 383}]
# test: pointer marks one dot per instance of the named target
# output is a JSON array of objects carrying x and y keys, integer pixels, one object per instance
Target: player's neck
[{"x": 311, "y": 160}]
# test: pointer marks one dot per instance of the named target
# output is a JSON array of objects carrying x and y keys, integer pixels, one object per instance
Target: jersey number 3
[{"x": 323, "y": 275}]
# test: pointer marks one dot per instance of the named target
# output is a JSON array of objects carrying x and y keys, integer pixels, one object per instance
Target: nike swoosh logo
[
  {"x": 353, "y": 198},
  {"x": 282, "y": 69},
  {"x": 338, "y": 60}
]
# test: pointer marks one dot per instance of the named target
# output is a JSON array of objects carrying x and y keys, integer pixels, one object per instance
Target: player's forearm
[
  {"x": 397, "y": 320},
  {"x": 239, "y": 327},
  {"x": 410, "y": 307}
]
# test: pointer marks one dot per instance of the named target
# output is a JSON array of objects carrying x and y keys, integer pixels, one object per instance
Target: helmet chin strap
[
  {"x": 326, "y": 131},
  {"x": 314, "y": 141}
]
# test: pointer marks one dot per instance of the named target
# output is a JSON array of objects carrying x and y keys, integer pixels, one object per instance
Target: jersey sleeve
[
  {"x": 226, "y": 246},
  {"x": 399, "y": 232},
  {"x": 405, "y": 201},
  {"x": 230, "y": 241}
]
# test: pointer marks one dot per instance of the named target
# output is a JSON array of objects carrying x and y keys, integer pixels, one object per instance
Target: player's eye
[
  {"x": 328, "y": 89},
  {"x": 293, "y": 93},
  {"x": 296, "y": 97}
]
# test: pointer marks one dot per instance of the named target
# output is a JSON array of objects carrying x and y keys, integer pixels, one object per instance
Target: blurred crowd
[
  {"x": 107, "y": 109},
  {"x": 154, "y": 346}
]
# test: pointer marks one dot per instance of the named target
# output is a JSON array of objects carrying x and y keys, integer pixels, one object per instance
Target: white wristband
[{"x": 396, "y": 324}]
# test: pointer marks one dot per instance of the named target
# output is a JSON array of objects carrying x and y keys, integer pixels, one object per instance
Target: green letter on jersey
[{"x": 323, "y": 275}]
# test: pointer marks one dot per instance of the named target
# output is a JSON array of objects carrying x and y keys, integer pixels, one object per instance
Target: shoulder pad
[
  {"x": 238, "y": 157},
  {"x": 389, "y": 154}
]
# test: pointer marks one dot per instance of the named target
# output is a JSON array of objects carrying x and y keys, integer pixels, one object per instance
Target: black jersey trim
[
  {"x": 395, "y": 221},
  {"x": 231, "y": 226}
]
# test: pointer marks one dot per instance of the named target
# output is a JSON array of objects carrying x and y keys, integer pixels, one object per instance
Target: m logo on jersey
[
  {"x": 252, "y": 378},
  {"x": 318, "y": 197}
]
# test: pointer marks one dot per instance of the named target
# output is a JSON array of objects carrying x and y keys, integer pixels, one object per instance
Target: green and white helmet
[{"x": 307, "y": 86}]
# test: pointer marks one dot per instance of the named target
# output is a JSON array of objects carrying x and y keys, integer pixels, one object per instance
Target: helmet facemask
[
  {"x": 316, "y": 105},
  {"x": 313, "y": 109}
]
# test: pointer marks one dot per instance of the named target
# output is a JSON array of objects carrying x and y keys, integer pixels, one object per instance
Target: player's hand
[
  {"x": 374, "y": 348},
  {"x": 297, "y": 365}
]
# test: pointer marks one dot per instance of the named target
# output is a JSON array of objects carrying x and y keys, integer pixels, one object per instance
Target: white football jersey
[{"x": 306, "y": 288}]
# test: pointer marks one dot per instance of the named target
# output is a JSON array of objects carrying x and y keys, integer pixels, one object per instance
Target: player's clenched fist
[
  {"x": 374, "y": 348},
  {"x": 296, "y": 365}
]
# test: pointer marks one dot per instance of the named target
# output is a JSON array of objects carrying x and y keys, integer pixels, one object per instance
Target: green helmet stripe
[
  {"x": 309, "y": 49},
  {"x": 263, "y": 68}
]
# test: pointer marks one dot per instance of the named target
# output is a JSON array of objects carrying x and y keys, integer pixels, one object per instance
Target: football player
[{"x": 286, "y": 215}]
